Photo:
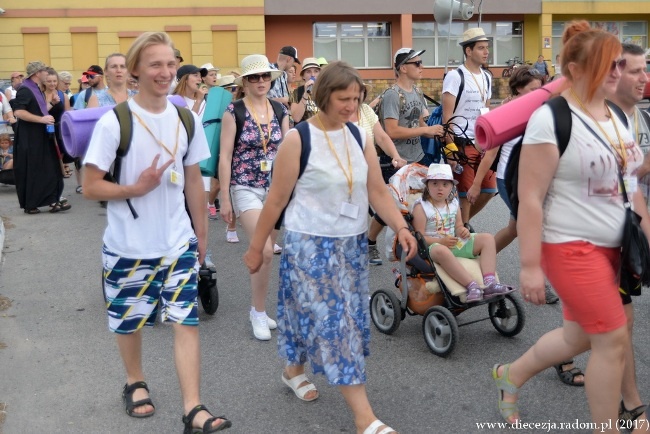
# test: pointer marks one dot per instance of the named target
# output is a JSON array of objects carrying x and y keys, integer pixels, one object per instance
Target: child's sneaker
[
  {"x": 474, "y": 294},
  {"x": 495, "y": 288},
  {"x": 374, "y": 257}
]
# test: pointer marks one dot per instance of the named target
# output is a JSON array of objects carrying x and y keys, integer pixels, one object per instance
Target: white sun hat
[{"x": 256, "y": 64}]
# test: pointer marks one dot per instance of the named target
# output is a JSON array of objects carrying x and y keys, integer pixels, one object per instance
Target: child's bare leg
[
  {"x": 485, "y": 246},
  {"x": 443, "y": 256}
]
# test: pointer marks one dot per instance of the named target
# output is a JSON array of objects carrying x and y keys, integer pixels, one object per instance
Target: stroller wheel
[
  {"x": 385, "y": 311},
  {"x": 208, "y": 292},
  {"x": 440, "y": 330},
  {"x": 507, "y": 315}
]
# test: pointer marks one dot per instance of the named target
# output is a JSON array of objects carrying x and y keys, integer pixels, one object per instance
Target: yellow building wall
[{"x": 48, "y": 30}]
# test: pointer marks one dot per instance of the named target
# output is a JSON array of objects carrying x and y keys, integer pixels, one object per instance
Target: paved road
[{"x": 60, "y": 371}]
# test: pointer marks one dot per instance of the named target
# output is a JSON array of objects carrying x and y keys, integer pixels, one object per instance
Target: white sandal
[
  {"x": 374, "y": 427},
  {"x": 300, "y": 391}
]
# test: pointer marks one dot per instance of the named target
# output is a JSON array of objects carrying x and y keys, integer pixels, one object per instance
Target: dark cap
[
  {"x": 190, "y": 69},
  {"x": 94, "y": 70},
  {"x": 177, "y": 54},
  {"x": 291, "y": 52}
]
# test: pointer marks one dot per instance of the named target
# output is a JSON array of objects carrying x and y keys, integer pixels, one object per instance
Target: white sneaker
[
  {"x": 231, "y": 236},
  {"x": 272, "y": 324},
  {"x": 260, "y": 327}
]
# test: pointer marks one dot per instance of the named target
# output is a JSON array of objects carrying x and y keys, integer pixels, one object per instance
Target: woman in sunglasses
[
  {"x": 247, "y": 153},
  {"x": 301, "y": 103},
  {"x": 570, "y": 225}
]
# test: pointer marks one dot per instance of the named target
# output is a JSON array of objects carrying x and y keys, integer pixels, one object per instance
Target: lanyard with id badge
[
  {"x": 348, "y": 209},
  {"x": 175, "y": 176},
  {"x": 265, "y": 164},
  {"x": 481, "y": 90}
]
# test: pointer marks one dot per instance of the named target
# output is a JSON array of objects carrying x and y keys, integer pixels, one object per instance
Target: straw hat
[
  {"x": 309, "y": 62},
  {"x": 226, "y": 81},
  {"x": 474, "y": 34},
  {"x": 210, "y": 67},
  {"x": 34, "y": 67},
  {"x": 256, "y": 64}
]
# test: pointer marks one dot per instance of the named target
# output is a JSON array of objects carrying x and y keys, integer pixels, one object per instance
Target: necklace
[
  {"x": 480, "y": 89},
  {"x": 620, "y": 149},
  {"x": 348, "y": 175},
  {"x": 440, "y": 224},
  {"x": 263, "y": 137}
]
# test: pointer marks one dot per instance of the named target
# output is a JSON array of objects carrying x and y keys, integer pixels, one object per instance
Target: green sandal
[{"x": 503, "y": 383}]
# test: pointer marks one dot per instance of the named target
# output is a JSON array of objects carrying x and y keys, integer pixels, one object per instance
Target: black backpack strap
[
  {"x": 619, "y": 112},
  {"x": 562, "y": 120},
  {"x": 461, "y": 88},
  {"x": 240, "y": 117},
  {"x": 355, "y": 132},
  {"x": 187, "y": 119},
  {"x": 87, "y": 96},
  {"x": 278, "y": 109},
  {"x": 125, "y": 119}
]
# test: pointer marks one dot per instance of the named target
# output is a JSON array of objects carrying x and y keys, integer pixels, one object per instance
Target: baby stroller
[{"x": 429, "y": 291}]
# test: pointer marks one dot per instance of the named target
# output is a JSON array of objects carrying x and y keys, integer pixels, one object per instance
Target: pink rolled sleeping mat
[
  {"x": 509, "y": 120},
  {"x": 77, "y": 126}
]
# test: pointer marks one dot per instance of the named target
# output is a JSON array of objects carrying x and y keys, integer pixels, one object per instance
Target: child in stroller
[
  {"x": 428, "y": 290},
  {"x": 436, "y": 215}
]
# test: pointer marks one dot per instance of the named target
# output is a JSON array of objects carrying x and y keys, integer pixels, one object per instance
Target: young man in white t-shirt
[
  {"x": 474, "y": 191},
  {"x": 150, "y": 258},
  {"x": 629, "y": 92}
]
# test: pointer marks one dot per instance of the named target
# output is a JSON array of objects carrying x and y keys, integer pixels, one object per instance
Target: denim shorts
[
  {"x": 245, "y": 198},
  {"x": 503, "y": 192}
]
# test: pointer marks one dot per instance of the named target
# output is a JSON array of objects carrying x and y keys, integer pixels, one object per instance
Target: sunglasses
[
  {"x": 620, "y": 64},
  {"x": 417, "y": 63},
  {"x": 255, "y": 78}
]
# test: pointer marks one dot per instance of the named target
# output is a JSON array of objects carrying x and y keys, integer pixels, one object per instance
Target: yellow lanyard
[
  {"x": 480, "y": 90},
  {"x": 620, "y": 150},
  {"x": 265, "y": 140},
  {"x": 178, "y": 126},
  {"x": 348, "y": 177}
]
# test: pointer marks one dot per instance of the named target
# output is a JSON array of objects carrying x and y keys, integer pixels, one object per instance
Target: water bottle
[
  {"x": 49, "y": 128},
  {"x": 458, "y": 169}
]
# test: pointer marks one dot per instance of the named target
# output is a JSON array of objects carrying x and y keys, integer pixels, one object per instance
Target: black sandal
[
  {"x": 58, "y": 206},
  {"x": 127, "y": 398},
  {"x": 568, "y": 376},
  {"x": 630, "y": 415},
  {"x": 32, "y": 211},
  {"x": 207, "y": 426}
]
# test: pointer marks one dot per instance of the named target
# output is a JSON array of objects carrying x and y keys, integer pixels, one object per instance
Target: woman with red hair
[{"x": 576, "y": 246}]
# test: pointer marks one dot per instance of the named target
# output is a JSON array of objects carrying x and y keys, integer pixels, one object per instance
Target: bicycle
[{"x": 513, "y": 64}]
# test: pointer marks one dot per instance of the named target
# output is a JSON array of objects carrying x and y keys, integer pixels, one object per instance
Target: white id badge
[
  {"x": 349, "y": 210},
  {"x": 265, "y": 165},
  {"x": 484, "y": 110},
  {"x": 176, "y": 177},
  {"x": 631, "y": 184}
]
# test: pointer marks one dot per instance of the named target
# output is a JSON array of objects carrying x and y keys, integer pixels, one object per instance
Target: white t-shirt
[
  {"x": 476, "y": 93},
  {"x": 315, "y": 207},
  {"x": 506, "y": 150},
  {"x": 163, "y": 225},
  {"x": 583, "y": 202},
  {"x": 640, "y": 130}
]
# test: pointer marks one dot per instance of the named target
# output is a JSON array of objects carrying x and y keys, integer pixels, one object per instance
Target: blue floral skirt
[{"x": 323, "y": 305}]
